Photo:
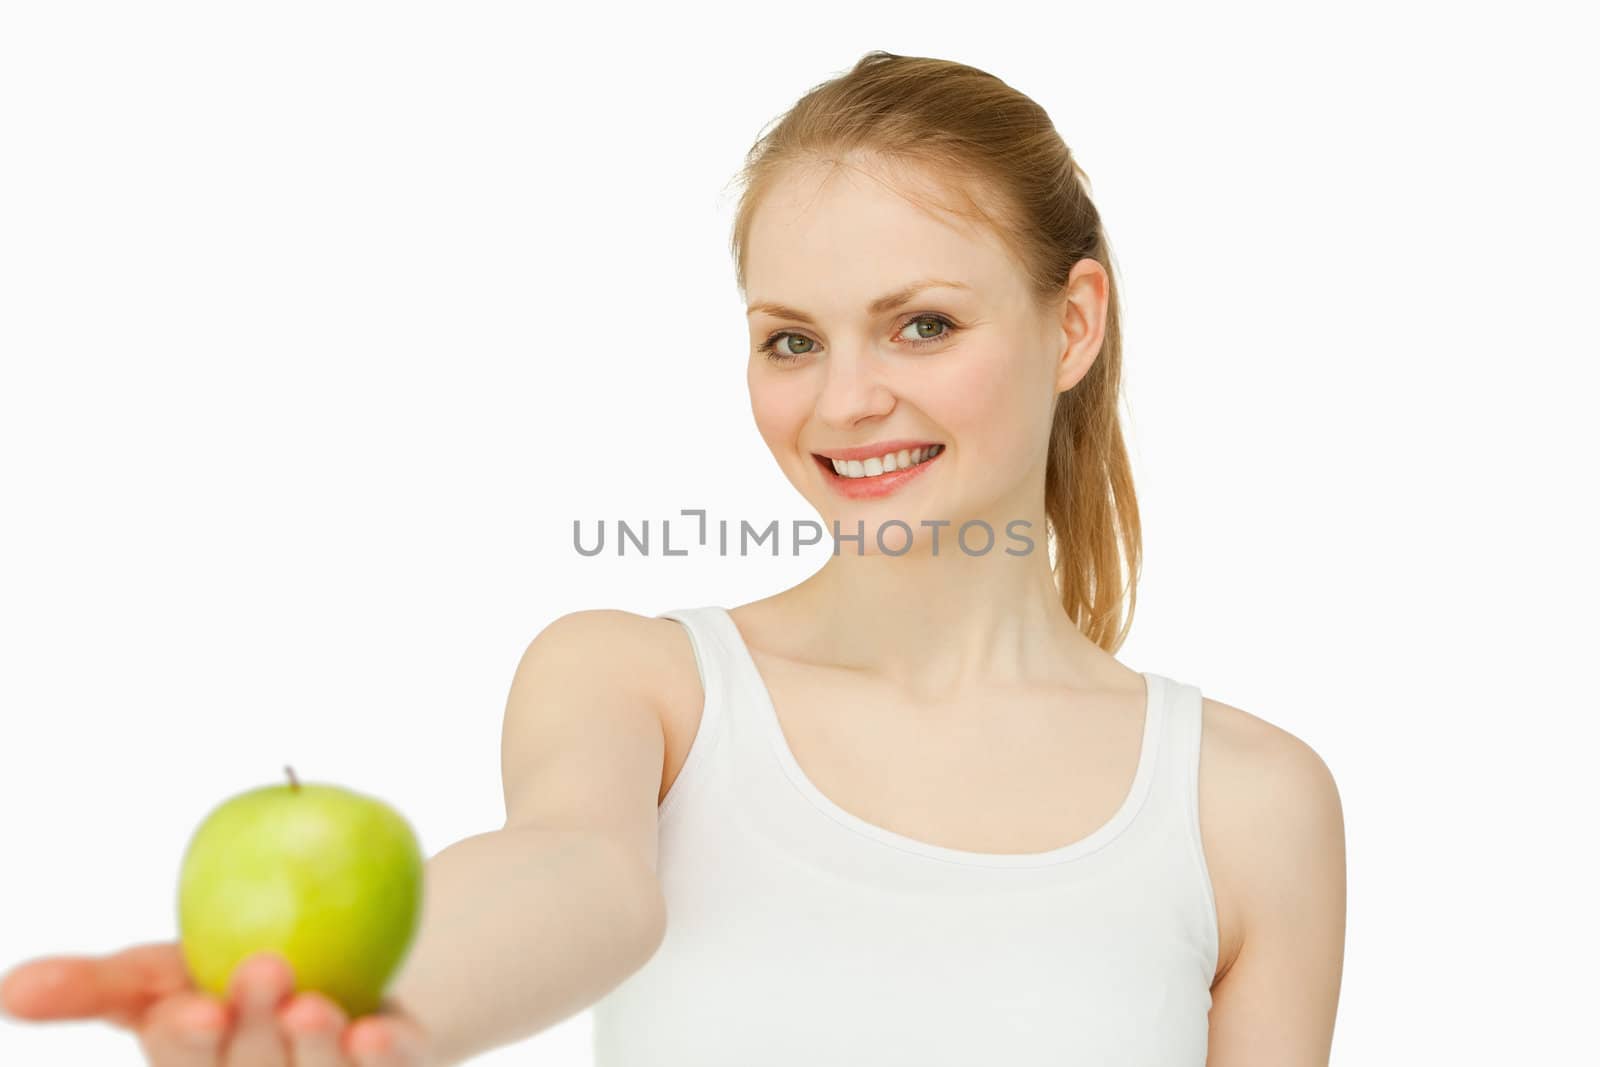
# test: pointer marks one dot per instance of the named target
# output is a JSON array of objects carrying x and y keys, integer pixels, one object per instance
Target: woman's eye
[
  {"x": 782, "y": 356},
  {"x": 929, "y": 320},
  {"x": 920, "y": 326}
]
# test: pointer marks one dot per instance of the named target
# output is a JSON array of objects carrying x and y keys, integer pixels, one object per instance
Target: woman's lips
[{"x": 873, "y": 486}]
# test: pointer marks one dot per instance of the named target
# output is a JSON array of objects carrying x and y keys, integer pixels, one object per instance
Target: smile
[
  {"x": 880, "y": 465},
  {"x": 880, "y": 475}
]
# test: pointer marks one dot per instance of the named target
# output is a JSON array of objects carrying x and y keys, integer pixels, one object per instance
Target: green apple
[{"x": 327, "y": 878}]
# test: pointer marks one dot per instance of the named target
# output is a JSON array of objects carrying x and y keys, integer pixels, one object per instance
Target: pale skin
[
  {"x": 931, "y": 662},
  {"x": 262, "y": 1022}
]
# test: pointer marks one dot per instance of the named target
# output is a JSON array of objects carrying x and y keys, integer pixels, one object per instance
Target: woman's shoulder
[
  {"x": 1254, "y": 760},
  {"x": 1271, "y": 819},
  {"x": 648, "y": 654}
]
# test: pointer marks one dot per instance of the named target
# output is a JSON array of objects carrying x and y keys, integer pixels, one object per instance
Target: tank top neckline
[{"x": 1155, "y": 707}]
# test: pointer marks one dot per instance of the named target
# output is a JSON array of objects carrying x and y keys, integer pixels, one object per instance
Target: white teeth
[{"x": 889, "y": 461}]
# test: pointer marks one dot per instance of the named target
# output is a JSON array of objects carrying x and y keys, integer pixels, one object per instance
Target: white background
[{"x": 320, "y": 323}]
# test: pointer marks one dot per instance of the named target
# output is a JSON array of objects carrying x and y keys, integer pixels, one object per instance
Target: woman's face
[{"x": 968, "y": 363}]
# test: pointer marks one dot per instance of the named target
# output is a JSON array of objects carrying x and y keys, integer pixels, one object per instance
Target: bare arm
[
  {"x": 1275, "y": 1004},
  {"x": 522, "y": 927},
  {"x": 529, "y": 924}
]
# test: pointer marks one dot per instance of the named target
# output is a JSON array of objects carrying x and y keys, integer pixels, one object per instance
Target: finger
[
  {"x": 315, "y": 1026},
  {"x": 385, "y": 1041},
  {"x": 185, "y": 1030},
  {"x": 256, "y": 990},
  {"x": 119, "y": 987}
]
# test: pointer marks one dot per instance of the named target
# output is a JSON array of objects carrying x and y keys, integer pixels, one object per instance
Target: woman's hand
[{"x": 262, "y": 1022}]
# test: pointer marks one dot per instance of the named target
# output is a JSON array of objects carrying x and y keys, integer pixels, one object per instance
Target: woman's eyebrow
[{"x": 886, "y": 302}]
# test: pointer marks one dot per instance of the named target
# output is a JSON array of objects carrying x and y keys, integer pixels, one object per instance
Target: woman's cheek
[
  {"x": 775, "y": 411},
  {"x": 980, "y": 402}
]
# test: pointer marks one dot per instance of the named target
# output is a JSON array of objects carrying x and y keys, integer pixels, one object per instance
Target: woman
[
  {"x": 905, "y": 805},
  {"x": 911, "y": 810}
]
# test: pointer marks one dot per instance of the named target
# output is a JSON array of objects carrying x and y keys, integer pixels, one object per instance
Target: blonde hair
[{"x": 996, "y": 151}]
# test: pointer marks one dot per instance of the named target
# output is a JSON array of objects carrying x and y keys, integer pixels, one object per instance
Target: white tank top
[{"x": 799, "y": 934}]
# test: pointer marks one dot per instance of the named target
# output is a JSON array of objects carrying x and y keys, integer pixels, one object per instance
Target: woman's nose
[{"x": 852, "y": 387}]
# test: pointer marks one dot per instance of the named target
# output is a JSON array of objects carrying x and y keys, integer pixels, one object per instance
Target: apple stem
[{"x": 294, "y": 783}]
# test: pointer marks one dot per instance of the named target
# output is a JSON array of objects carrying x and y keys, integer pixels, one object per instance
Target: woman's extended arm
[{"x": 529, "y": 924}]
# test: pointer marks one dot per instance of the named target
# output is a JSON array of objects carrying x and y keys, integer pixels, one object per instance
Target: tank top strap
[
  {"x": 718, "y": 666},
  {"x": 705, "y": 636},
  {"x": 1173, "y": 810},
  {"x": 1178, "y": 765}
]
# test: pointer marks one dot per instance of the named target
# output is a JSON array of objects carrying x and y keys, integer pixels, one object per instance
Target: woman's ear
[{"x": 1081, "y": 316}]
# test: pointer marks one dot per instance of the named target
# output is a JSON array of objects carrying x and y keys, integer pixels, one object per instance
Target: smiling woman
[{"x": 913, "y": 809}]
